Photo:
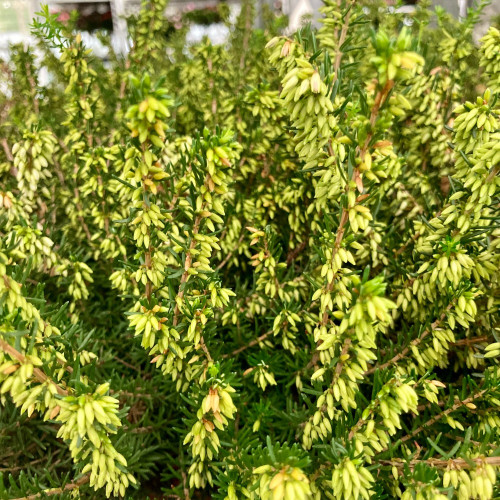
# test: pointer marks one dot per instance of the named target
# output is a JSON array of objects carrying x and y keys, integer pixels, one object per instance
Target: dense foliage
[{"x": 266, "y": 269}]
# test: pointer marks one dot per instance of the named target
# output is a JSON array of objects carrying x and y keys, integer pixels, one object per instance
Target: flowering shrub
[{"x": 267, "y": 269}]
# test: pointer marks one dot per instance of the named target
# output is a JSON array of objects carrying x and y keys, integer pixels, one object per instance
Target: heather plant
[{"x": 263, "y": 269}]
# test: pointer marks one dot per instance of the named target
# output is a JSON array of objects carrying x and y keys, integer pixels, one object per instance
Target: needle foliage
[{"x": 266, "y": 269}]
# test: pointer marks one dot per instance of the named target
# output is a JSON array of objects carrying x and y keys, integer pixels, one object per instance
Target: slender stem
[
  {"x": 32, "y": 83},
  {"x": 39, "y": 374},
  {"x": 205, "y": 350},
  {"x": 187, "y": 496},
  {"x": 437, "y": 463},
  {"x": 379, "y": 100},
  {"x": 187, "y": 265},
  {"x": 230, "y": 254},
  {"x": 343, "y": 34},
  {"x": 473, "y": 340},
  {"x": 246, "y": 36},
  {"x": 439, "y": 416},
  {"x": 6, "y": 148},
  {"x": 149, "y": 284},
  {"x": 413, "y": 343},
  {"x": 58, "y": 491},
  {"x": 247, "y": 346}
]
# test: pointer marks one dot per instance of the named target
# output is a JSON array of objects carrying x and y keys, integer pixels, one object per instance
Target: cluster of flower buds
[
  {"x": 335, "y": 17},
  {"x": 30, "y": 242},
  {"x": 261, "y": 375},
  {"x": 108, "y": 468},
  {"x": 426, "y": 142},
  {"x": 86, "y": 421},
  {"x": 331, "y": 183},
  {"x": 453, "y": 256},
  {"x": 490, "y": 58},
  {"x": 352, "y": 343},
  {"x": 395, "y": 397},
  {"x": 335, "y": 259},
  {"x": 282, "y": 483},
  {"x": 305, "y": 98},
  {"x": 382, "y": 417},
  {"x": 92, "y": 418},
  {"x": 265, "y": 103},
  {"x": 198, "y": 247},
  {"x": 431, "y": 390},
  {"x": 148, "y": 118},
  {"x": 422, "y": 492},
  {"x": 352, "y": 481},
  {"x": 374, "y": 237},
  {"x": 266, "y": 266},
  {"x": 287, "y": 324},
  {"x": 359, "y": 215},
  {"x": 80, "y": 78},
  {"x": 394, "y": 60},
  {"x": 474, "y": 123},
  {"x": 149, "y": 46},
  {"x": 477, "y": 483},
  {"x": 16, "y": 303},
  {"x": 98, "y": 188},
  {"x": 79, "y": 413},
  {"x": 172, "y": 327},
  {"x": 81, "y": 274},
  {"x": 16, "y": 379},
  {"x": 32, "y": 158},
  {"x": 216, "y": 408}
]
